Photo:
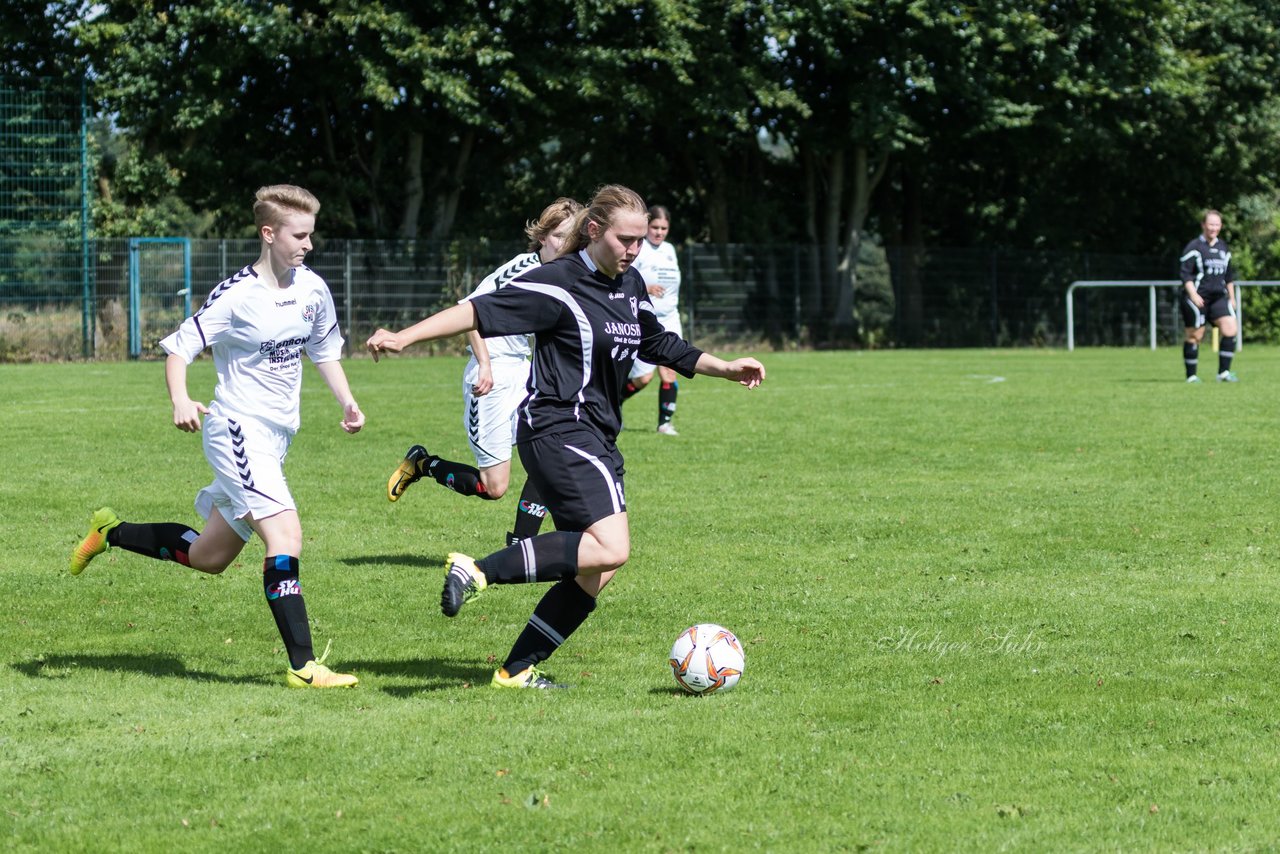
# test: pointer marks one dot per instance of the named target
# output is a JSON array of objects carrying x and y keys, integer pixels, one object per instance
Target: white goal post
[{"x": 1151, "y": 286}]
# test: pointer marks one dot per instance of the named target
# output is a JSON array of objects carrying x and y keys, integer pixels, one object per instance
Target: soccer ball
[{"x": 706, "y": 658}]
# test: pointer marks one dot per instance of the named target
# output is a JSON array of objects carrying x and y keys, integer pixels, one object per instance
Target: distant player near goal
[
  {"x": 494, "y": 383},
  {"x": 259, "y": 324},
  {"x": 1208, "y": 293}
]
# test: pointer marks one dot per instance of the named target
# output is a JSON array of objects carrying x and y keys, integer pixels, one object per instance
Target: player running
[
  {"x": 658, "y": 266},
  {"x": 493, "y": 384},
  {"x": 591, "y": 318},
  {"x": 1208, "y": 292},
  {"x": 259, "y": 322}
]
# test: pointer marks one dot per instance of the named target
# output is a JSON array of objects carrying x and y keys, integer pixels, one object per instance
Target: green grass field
[{"x": 990, "y": 600}]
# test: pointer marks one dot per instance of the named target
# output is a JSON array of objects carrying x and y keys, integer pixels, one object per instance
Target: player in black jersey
[
  {"x": 1208, "y": 292},
  {"x": 591, "y": 318}
]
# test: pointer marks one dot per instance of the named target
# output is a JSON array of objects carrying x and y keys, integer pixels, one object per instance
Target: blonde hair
[
  {"x": 276, "y": 201},
  {"x": 549, "y": 220},
  {"x": 606, "y": 202}
]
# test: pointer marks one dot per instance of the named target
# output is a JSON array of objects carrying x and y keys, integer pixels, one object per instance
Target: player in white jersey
[
  {"x": 259, "y": 322},
  {"x": 494, "y": 383},
  {"x": 658, "y": 265}
]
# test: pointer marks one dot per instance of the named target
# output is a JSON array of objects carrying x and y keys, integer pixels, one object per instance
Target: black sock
[
  {"x": 1226, "y": 355},
  {"x": 160, "y": 540},
  {"x": 1190, "y": 357},
  {"x": 629, "y": 390},
  {"x": 546, "y": 557},
  {"x": 284, "y": 597},
  {"x": 529, "y": 512},
  {"x": 667, "y": 402},
  {"x": 460, "y": 477},
  {"x": 562, "y": 610}
]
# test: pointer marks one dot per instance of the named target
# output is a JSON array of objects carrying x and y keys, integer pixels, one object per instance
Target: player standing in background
[
  {"x": 259, "y": 322},
  {"x": 590, "y": 317},
  {"x": 493, "y": 384},
  {"x": 658, "y": 266},
  {"x": 1208, "y": 292}
]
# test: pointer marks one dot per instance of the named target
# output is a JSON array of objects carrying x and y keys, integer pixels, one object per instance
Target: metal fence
[
  {"x": 736, "y": 295},
  {"x": 44, "y": 213}
]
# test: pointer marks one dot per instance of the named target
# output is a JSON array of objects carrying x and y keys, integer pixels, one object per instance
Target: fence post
[
  {"x": 347, "y": 286},
  {"x": 1151, "y": 314},
  {"x": 995, "y": 299},
  {"x": 89, "y": 322},
  {"x": 690, "y": 291}
]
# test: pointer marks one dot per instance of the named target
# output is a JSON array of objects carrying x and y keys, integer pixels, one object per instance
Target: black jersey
[
  {"x": 588, "y": 329},
  {"x": 1208, "y": 266}
]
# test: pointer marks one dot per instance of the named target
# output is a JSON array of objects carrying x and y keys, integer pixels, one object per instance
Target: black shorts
[
  {"x": 578, "y": 475},
  {"x": 1216, "y": 307}
]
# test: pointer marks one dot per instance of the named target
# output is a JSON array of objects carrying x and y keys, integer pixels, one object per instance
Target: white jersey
[
  {"x": 258, "y": 334},
  {"x": 514, "y": 347},
  {"x": 657, "y": 265}
]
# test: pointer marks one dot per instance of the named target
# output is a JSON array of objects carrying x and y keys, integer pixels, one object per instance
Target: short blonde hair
[
  {"x": 549, "y": 220},
  {"x": 276, "y": 201},
  {"x": 606, "y": 202}
]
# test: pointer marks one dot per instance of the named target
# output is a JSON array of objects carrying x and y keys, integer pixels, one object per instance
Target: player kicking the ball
[
  {"x": 259, "y": 322},
  {"x": 493, "y": 385},
  {"x": 591, "y": 318}
]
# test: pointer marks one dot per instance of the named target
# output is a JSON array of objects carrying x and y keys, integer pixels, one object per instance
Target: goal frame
[
  {"x": 1151, "y": 285},
  {"x": 136, "y": 245}
]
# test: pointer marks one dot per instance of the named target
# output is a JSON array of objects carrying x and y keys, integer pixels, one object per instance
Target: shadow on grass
[
  {"x": 399, "y": 678},
  {"x": 395, "y": 560},
  {"x": 160, "y": 666},
  {"x": 420, "y": 675}
]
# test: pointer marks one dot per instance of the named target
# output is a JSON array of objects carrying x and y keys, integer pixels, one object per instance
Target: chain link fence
[{"x": 731, "y": 296}]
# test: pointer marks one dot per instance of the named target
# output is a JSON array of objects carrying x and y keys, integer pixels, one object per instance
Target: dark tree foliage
[{"x": 1043, "y": 124}]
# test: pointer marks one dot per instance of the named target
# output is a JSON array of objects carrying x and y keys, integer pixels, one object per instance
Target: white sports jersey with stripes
[
  {"x": 658, "y": 265},
  {"x": 507, "y": 346},
  {"x": 258, "y": 334}
]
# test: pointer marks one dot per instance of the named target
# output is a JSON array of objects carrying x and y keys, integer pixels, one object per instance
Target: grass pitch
[{"x": 989, "y": 599}]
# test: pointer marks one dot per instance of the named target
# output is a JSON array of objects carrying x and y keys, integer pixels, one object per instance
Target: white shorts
[
  {"x": 490, "y": 420},
  {"x": 247, "y": 457},
  {"x": 671, "y": 323}
]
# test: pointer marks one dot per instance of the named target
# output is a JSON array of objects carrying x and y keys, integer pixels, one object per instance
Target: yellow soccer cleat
[
  {"x": 530, "y": 677},
  {"x": 94, "y": 542},
  {"x": 463, "y": 581},
  {"x": 408, "y": 472},
  {"x": 314, "y": 674}
]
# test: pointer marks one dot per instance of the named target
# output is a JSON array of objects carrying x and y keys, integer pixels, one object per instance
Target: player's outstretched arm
[
  {"x": 746, "y": 371},
  {"x": 452, "y": 321},
  {"x": 336, "y": 378}
]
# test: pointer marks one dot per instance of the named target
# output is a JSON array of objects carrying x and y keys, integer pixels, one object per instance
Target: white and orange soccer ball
[{"x": 707, "y": 658}]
